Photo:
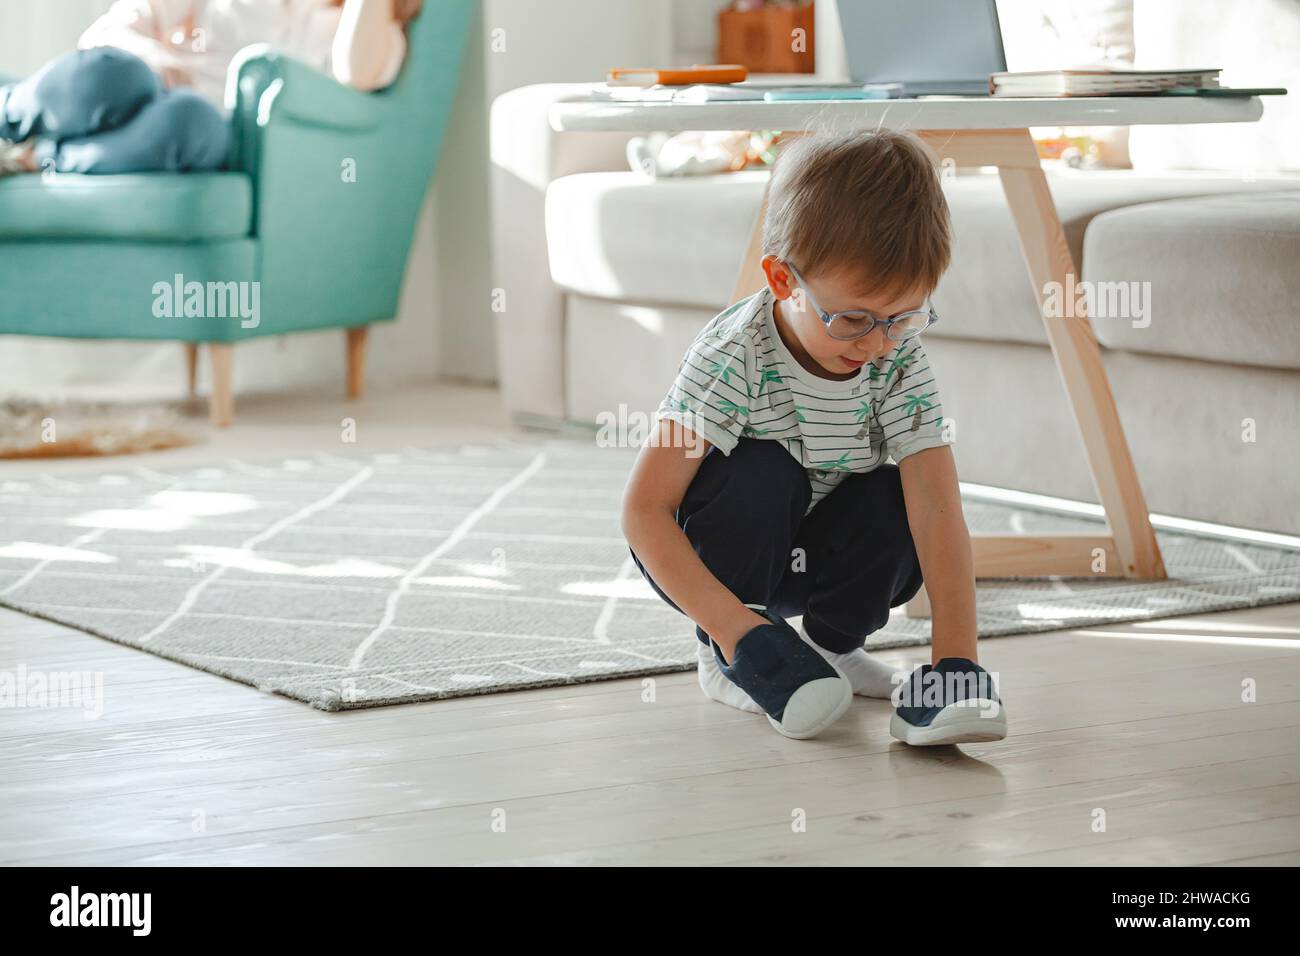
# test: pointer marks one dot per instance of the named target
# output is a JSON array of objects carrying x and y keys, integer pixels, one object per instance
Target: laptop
[{"x": 930, "y": 47}]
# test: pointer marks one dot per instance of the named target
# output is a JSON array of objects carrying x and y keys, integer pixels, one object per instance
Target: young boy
[{"x": 764, "y": 493}]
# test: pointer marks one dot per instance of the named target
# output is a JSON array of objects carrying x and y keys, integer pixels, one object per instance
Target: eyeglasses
[{"x": 856, "y": 323}]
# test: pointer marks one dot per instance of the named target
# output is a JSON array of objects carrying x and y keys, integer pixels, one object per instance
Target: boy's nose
[{"x": 872, "y": 347}]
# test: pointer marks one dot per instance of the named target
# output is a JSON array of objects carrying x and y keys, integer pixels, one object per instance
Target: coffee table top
[{"x": 929, "y": 113}]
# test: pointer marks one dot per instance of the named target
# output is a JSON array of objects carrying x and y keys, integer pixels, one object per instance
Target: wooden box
[{"x": 765, "y": 39}]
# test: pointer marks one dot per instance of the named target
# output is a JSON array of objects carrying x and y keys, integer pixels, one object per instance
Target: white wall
[
  {"x": 520, "y": 42},
  {"x": 1256, "y": 43},
  {"x": 32, "y": 30},
  {"x": 695, "y": 30}
]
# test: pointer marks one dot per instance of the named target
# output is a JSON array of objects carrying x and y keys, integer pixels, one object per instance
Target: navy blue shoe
[
  {"x": 952, "y": 702},
  {"x": 800, "y": 691}
]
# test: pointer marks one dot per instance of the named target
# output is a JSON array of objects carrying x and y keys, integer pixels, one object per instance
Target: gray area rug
[{"x": 358, "y": 581}]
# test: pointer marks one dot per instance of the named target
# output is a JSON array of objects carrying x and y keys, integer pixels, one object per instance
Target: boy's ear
[{"x": 779, "y": 279}]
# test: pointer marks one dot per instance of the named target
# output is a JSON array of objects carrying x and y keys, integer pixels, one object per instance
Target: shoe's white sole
[
  {"x": 956, "y": 724},
  {"x": 840, "y": 707}
]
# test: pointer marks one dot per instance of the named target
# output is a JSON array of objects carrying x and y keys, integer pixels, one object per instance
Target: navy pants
[
  {"x": 104, "y": 111},
  {"x": 842, "y": 567}
]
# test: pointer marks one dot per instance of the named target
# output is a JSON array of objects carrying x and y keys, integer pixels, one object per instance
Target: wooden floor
[{"x": 1143, "y": 723}]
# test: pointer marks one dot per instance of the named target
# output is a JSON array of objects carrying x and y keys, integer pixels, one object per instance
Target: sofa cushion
[
  {"x": 1222, "y": 273},
  {"x": 171, "y": 207},
  {"x": 675, "y": 241},
  {"x": 647, "y": 343},
  {"x": 622, "y": 236},
  {"x": 987, "y": 292}
]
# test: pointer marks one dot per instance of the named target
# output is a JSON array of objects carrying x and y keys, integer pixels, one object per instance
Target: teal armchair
[{"x": 308, "y": 228}]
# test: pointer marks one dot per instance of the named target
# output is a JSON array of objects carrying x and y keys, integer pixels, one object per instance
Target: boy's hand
[{"x": 736, "y": 625}]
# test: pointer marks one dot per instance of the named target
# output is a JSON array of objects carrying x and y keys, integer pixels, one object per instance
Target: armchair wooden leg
[
  {"x": 192, "y": 366},
  {"x": 221, "y": 403},
  {"x": 356, "y": 359}
]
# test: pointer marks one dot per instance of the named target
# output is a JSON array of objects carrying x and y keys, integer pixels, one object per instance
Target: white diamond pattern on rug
[{"x": 352, "y": 581}]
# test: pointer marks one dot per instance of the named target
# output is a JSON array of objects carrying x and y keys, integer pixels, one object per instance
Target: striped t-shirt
[{"x": 738, "y": 379}]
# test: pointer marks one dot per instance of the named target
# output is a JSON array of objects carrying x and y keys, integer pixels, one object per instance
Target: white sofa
[{"x": 609, "y": 275}]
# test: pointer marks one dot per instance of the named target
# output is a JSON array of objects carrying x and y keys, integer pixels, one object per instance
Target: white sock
[
  {"x": 870, "y": 677},
  {"x": 715, "y": 684}
]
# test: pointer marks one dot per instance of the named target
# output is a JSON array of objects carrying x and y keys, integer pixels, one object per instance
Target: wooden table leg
[
  {"x": 1132, "y": 542},
  {"x": 1078, "y": 359}
]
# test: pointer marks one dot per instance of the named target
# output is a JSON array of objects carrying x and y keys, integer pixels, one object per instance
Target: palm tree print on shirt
[
  {"x": 733, "y": 411},
  {"x": 863, "y": 417},
  {"x": 839, "y": 464},
  {"x": 899, "y": 363},
  {"x": 724, "y": 372},
  {"x": 920, "y": 403},
  {"x": 798, "y": 413},
  {"x": 769, "y": 375}
]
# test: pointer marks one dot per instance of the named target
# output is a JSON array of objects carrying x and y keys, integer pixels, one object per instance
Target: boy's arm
[
  {"x": 942, "y": 541},
  {"x": 663, "y": 471}
]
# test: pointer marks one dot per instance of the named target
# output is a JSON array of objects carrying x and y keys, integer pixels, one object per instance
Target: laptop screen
[{"x": 922, "y": 41}]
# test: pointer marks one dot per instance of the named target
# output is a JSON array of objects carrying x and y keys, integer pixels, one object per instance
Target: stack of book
[{"x": 1100, "y": 82}]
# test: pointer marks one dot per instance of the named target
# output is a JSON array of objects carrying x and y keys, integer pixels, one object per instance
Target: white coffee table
[{"x": 985, "y": 132}]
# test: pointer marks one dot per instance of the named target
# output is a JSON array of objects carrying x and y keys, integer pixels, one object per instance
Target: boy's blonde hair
[{"x": 868, "y": 204}]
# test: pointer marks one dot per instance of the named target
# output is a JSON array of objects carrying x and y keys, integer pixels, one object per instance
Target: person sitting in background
[{"x": 146, "y": 89}]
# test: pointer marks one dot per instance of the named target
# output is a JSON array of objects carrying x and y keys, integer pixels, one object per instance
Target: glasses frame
[{"x": 829, "y": 317}]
